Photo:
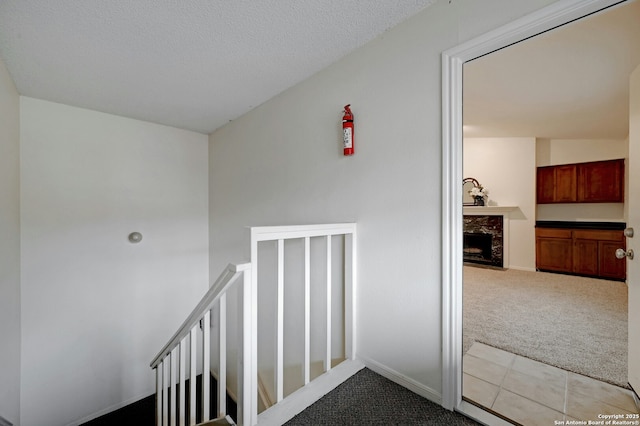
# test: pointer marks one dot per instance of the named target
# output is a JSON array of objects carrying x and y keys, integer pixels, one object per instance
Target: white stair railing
[
  {"x": 280, "y": 234},
  {"x": 171, "y": 362}
]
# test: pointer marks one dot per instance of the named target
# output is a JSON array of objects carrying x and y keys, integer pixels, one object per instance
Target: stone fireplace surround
[
  {"x": 492, "y": 220},
  {"x": 483, "y": 240}
]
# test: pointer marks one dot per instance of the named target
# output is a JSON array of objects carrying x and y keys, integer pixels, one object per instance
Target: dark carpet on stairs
[{"x": 370, "y": 399}]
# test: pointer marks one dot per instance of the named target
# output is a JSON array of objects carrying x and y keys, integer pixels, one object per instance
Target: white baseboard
[
  {"x": 635, "y": 396},
  {"x": 108, "y": 410},
  {"x": 295, "y": 403},
  {"x": 404, "y": 381},
  {"x": 522, "y": 268}
]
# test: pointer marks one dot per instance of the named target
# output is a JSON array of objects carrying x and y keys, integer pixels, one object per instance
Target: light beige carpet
[{"x": 574, "y": 323}]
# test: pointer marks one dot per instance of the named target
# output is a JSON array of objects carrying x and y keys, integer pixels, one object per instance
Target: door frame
[{"x": 545, "y": 19}]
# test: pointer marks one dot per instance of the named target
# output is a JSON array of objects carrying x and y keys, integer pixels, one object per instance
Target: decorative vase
[{"x": 478, "y": 201}]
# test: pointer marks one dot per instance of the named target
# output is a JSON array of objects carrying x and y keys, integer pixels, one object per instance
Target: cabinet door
[
  {"x": 545, "y": 185},
  {"x": 556, "y": 184},
  {"x": 601, "y": 181},
  {"x": 610, "y": 266},
  {"x": 565, "y": 184},
  {"x": 585, "y": 256},
  {"x": 554, "y": 254}
]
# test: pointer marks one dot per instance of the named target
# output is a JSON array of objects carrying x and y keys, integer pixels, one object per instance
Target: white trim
[
  {"x": 404, "y": 381},
  {"x": 547, "y": 18},
  {"x": 269, "y": 233}
]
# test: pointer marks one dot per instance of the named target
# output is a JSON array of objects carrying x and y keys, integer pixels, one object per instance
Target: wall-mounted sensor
[{"x": 135, "y": 237}]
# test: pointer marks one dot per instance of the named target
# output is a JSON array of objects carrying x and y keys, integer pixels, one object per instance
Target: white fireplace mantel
[
  {"x": 488, "y": 210},
  {"x": 495, "y": 211}
]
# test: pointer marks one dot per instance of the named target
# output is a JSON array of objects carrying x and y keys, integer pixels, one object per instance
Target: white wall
[
  {"x": 567, "y": 151},
  {"x": 282, "y": 163},
  {"x": 552, "y": 152},
  {"x": 9, "y": 248},
  {"x": 95, "y": 308},
  {"x": 506, "y": 168}
]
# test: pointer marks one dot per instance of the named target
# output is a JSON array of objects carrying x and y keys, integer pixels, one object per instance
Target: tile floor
[{"x": 532, "y": 393}]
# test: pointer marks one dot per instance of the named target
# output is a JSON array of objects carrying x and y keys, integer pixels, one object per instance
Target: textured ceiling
[
  {"x": 569, "y": 83},
  {"x": 193, "y": 64}
]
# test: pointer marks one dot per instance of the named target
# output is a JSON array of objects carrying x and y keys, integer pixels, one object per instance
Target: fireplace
[
  {"x": 483, "y": 240},
  {"x": 477, "y": 248}
]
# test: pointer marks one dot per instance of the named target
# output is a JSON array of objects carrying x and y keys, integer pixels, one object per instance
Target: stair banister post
[{"x": 248, "y": 349}]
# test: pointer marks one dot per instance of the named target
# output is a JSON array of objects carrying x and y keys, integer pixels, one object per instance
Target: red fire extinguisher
[{"x": 347, "y": 129}]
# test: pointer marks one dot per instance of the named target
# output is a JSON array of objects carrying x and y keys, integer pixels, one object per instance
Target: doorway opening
[{"x": 455, "y": 242}]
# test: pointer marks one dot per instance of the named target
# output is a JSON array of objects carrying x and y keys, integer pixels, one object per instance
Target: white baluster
[
  {"x": 183, "y": 379},
  {"x": 307, "y": 311},
  {"x": 206, "y": 366},
  {"x": 165, "y": 405},
  {"x": 222, "y": 357},
  {"x": 192, "y": 376},
  {"x": 349, "y": 292},
  {"x": 242, "y": 342},
  {"x": 172, "y": 377},
  {"x": 159, "y": 394},
  {"x": 252, "y": 351},
  {"x": 327, "y": 360},
  {"x": 279, "y": 368}
]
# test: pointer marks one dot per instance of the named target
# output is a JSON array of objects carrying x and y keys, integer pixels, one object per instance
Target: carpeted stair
[{"x": 368, "y": 399}]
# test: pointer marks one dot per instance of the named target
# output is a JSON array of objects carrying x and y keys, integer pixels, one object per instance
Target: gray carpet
[
  {"x": 370, "y": 399},
  {"x": 575, "y": 323}
]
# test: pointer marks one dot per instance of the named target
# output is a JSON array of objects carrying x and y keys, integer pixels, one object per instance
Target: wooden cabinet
[
  {"x": 588, "y": 252},
  {"x": 601, "y": 181},
  {"x": 593, "y": 182},
  {"x": 556, "y": 184},
  {"x": 565, "y": 184},
  {"x": 609, "y": 265},
  {"x": 546, "y": 185},
  {"x": 554, "y": 249},
  {"x": 585, "y": 255}
]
